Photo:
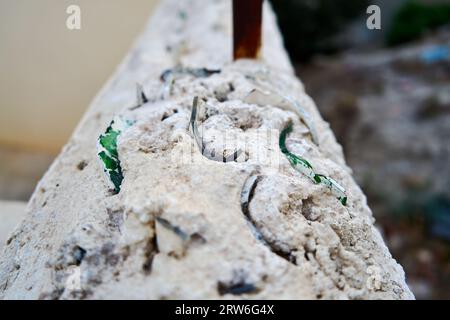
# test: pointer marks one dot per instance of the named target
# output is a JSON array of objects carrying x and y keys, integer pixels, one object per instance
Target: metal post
[{"x": 247, "y": 23}]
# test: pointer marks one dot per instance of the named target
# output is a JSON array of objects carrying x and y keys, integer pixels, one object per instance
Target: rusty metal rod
[{"x": 247, "y": 25}]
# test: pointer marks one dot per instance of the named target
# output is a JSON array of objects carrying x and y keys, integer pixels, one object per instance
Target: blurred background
[
  {"x": 386, "y": 94},
  {"x": 48, "y": 76}
]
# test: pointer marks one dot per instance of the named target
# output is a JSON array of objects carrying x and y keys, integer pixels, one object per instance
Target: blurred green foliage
[
  {"x": 308, "y": 26},
  {"x": 431, "y": 208},
  {"x": 413, "y": 19}
]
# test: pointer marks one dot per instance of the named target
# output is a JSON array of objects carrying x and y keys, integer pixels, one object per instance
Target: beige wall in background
[{"x": 49, "y": 74}]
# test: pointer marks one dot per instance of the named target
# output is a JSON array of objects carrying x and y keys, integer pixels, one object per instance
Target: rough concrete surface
[{"x": 181, "y": 226}]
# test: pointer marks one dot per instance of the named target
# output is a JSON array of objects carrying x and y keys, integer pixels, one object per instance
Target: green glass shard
[
  {"x": 343, "y": 200},
  {"x": 109, "y": 141},
  {"x": 107, "y": 151},
  {"x": 116, "y": 178},
  {"x": 109, "y": 162},
  {"x": 303, "y": 166},
  {"x": 282, "y": 142},
  {"x": 335, "y": 187},
  {"x": 317, "y": 179}
]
